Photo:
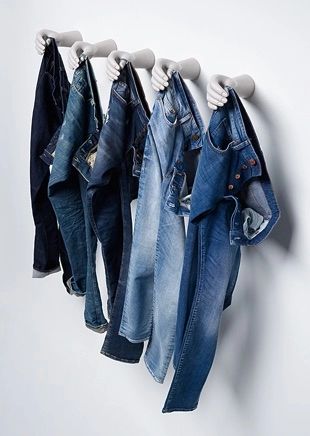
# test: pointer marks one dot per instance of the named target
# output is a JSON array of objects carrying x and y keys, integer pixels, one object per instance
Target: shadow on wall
[{"x": 283, "y": 232}]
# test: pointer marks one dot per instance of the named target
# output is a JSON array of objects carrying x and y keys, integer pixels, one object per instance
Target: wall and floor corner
[{"x": 53, "y": 381}]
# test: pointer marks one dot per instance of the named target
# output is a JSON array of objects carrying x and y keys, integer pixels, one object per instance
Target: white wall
[{"x": 53, "y": 381}]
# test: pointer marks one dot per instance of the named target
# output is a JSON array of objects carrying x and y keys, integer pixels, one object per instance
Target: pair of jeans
[
  {"x": 232, "y": 204},
  {"x": 113, "y": 184},
  {"x": 170, "y": 158},
  {"x": 69, "y": 177},
  {"x": 49, "y": 107}
]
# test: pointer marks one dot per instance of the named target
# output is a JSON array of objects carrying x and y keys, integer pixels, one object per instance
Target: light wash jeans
[{"x": 171, "y": 152}]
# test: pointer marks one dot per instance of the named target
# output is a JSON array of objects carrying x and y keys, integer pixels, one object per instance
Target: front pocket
[
  {"x": 168, "y": 112},
  {"x": 178, "y": 198},
  {"x": 121, "y": 91}
]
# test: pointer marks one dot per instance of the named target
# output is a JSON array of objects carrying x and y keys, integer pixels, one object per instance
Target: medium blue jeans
[
  {"x": 170, "y": 156},
  {"x": 67, "y": 189},
  {"x": 232, "y": 204}
]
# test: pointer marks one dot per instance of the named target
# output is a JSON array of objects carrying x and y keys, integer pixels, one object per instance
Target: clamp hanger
[
  {"x": 163, "y": 68},
  {"x": 63, "y": 39},
  {"x": 244, "y": 86},
  {"x": 117, "y": 59},
  {"x": 81, "y": 50}
]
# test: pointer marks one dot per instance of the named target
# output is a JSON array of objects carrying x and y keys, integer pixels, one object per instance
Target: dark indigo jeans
[
  {"x": 49, "y": 107},
  {"x": 113, "y": 184}
]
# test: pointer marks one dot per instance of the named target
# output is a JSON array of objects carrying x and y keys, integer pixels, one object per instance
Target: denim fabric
[
  {"x": 49, "y": 107},
  {"x": 77, "y": 140},
  {"x": 169, "y": 163},
  {"x": 113, "y": 184},
  {"x": 232, "y": 204}
]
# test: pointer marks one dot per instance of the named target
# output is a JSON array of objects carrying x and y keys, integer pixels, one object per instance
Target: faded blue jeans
[
  {"x": 170, "y": 156},
  {"x": 69, "y": 177},
  {"x": 232, "y": 204}
]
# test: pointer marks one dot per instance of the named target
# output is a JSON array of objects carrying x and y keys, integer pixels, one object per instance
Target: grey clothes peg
[
  {"x": 161, "y": 73},
  {"x": 144, "y": 58},
  {"x": 63, "y": 39},
  {"x": 244, "y": 86},
  {"x": 81, "y": 50}
]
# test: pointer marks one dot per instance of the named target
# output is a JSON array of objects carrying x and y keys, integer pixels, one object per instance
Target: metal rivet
[
  {"x": 237, "y": 176},
  {"x": 230, "y": 187}
]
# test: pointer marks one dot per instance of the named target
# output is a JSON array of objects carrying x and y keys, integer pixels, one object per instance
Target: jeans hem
[
  {"x": 178, "y": 409},
  {"x": 77, "y": 294},
  {"x": 71, "y": 289},
  {"x": 120, "y": 359},
  {"x": 100, "y": 329},
  {"x": 158, "y": 380},
  {"x": 37, "y": 274},
  {"x": 133, "y": 341}
]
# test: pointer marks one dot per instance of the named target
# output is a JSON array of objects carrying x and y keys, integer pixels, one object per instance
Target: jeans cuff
[
  {"x": 36, "y": 274},
  {"x": 150, "y": 370},
  {"x": 98, "y": 329},
  {"x": 178, "y": 409},
  {"x": 72, "y": 288},
  {"x": 120, "y": 359},
  {"x": 133, "y": 340}
]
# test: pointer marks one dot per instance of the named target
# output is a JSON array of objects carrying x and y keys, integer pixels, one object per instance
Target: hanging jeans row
[{"x": 165, "y": 285}]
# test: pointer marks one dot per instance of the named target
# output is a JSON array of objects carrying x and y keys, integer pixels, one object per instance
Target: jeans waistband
[
  {"x": 181, "y": 108},
  {"x": 53, "y": 65},
  {"x": 129, "y": 76}
]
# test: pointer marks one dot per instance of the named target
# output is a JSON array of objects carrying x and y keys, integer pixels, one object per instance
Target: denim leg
[
  {"x": 93, "y": 313},
  {"x": 233, "y": 279},
  {"x": 216, "y": 258},
  {"x": 116, "y": 346},
  {"x": 106, "y": 218},
  {"x": 168, "y": 270},
  {"x": 187, "y": 287},
  {"x": 67, "y": 277},
  {"x": 67, "y": 203},
  {"x": 137, "y": 314}
]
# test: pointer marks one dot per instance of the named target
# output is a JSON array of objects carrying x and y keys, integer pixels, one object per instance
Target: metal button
[
  {"x": 244, "y": 167},
  {"x": 195, "y": 137},
  {"x": 230, "y": 187},
  {"x": 237, "y": 176},
  {"x": 252, "y": 162}
]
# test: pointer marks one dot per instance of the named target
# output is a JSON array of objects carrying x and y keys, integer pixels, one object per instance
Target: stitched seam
[
  {"x": 105, "y": 353},
  {"x": 192, "y": 318}
]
